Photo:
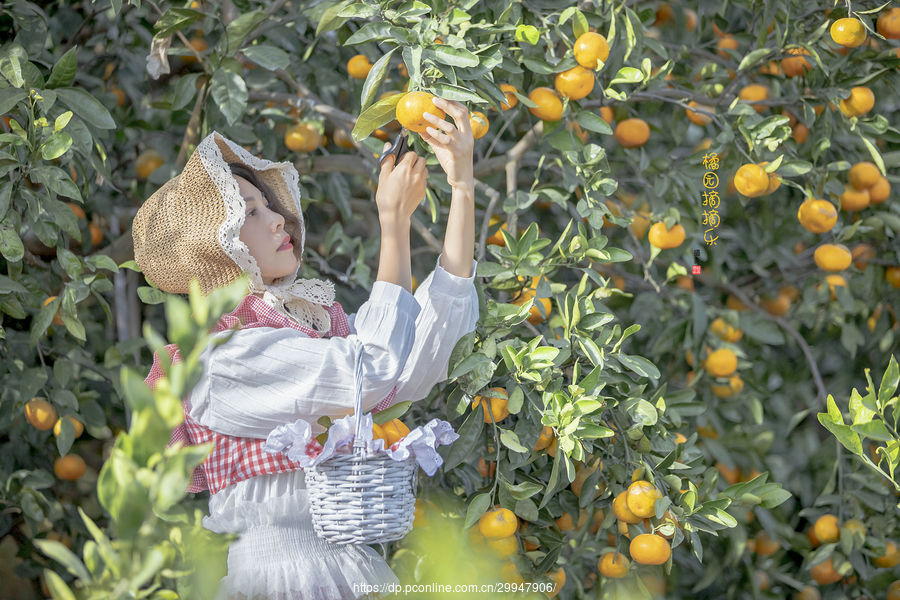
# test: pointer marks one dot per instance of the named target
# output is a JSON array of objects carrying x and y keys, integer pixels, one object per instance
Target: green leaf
[
  {"x": 524, "y": 490},
  {"x": 888, "y": 384},
  {"x": 9, "y": 97},
  {"x": 58, "y": 552},
  {"x": 239, "y": 29},
  {"x": 58, "y": 588},
  {"x": 511, "y": 440},
  {"x": 593, "y": 122},
  {"x": 644, "y": 412},
  {"x": 455, "y": 92},
  {"x": 844, "y": 434},
  {"x": 639, "y": 365},
  {"x": 230, "y": 93},
  {"x": 527, "y": 509},
  {"x": 371, "y": 32},
  {"x": 580, "y": 26},
  {"x": 528, "y": 33},
  {"x": 151, "y": 295},
  {"x": 58, "y": 144},
  {"x": 11, "y": 246},
  {"x": 63, "y": 73},
  {"x": 794, "y": 168},
  {"x": 87, "y": 107},
  {"x": 375, "y": 116},
  {"x": 628, "y": 75},
  {"x": 395, "y": 411},
  {"x": 268, "y": 57},
  {"x": 468, "y": 364},
  {"x": 760, "y": 329},
  {"x": 875, "y": 430},
  {"x": 175, "y": 19},
  {"x": 873, "y": 151},
  {"x": 455, "y": 57},
  {"x": 374, "y": 79},
  {"x": 330, "y": 20},
  {"x": 477, "y": 507},
  {"x": 469, "y": 432},
  {"x": 754, "y": 57}
]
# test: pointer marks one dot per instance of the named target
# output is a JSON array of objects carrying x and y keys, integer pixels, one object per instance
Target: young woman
[{"x": 294, "y": 353}]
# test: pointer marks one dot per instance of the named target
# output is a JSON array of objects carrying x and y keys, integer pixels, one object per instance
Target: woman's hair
[{"x": 291, "y": 224}]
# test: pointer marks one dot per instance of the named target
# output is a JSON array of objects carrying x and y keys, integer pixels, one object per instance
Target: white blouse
[{"x": 265, "y": 377}]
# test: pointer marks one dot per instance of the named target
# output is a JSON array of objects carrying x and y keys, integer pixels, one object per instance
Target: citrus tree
[{"x": 620, "y": 420}]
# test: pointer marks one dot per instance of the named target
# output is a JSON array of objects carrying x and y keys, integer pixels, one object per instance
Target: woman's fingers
[
  {"x": 438, "y": 123},
  {"x": 457, "y": 111}
]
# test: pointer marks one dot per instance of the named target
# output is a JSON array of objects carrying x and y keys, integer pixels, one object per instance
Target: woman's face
[{"x": 263, "y": 233}]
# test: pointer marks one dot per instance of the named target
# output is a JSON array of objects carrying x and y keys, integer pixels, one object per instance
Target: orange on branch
[
  {"x": 147, "y": 162},
  {"x": 621, "y": 510},
  {"x": 890, "y": 558},
  {"x": 817, "y": 216},
  {"x": 753, "y": 93},
  {"x": 69, "y": 467},
  {"x": 641, "y": 497},
  {"x": 545, "y": 439},
  {"x": 861, "y": 101},
  {"x": 777, "y": 306},
  {"x": 731, "y": 475},
  {"x": 559, "y": 579},
  {"x": 796, "y": 65},
  {"x": 854, "y": 200},
  {"x": 606, "y": 113},
  {"x": 727, "y": 42},
  {"x": 497, "y": 238},
  {"x": 78, "y": 425},
  {"x": 825, "y": 573},
  {"x": 640, "y": 223},
  {"x": 725, "y": 331},
  {"x": 690, "y": 20},
  {"x": 40, "y": 413},
  {"x": 57, "y": 319},
  {"x": 751, "y": 180},
  {"x": 888, "y": 24},
  {"x": 96, "y": 234},
  {"x": 666, "y": 239},
  {"x": 632, "y": 133},
  {"x": 504, "y": 547},
  {"x": 534, "y": 313},
  {"x": 892, "y": 276},
  {"x": 863, "y": 175},
  {"x": 613, "y": 565},
  {"x": 79, "y": 212},
  {"x": 567, "y": 523},
  {"x": 861, "y": 254},
  {"x": 302, "y": 137},
  {"x": 800, "y": 133},
  {"x": 766, "y": 546},
  {"x": 721, "y": 363},
  {"x": 575, "y": 83},
  {"x": 199, "y": 45},
  {"x": 580, "y": 133},
  {"x": 359, "y": 66},
  {"x": 590, "y": 49},
  {"x": 649, "y": 549},
  {"x": 848, "y": 32},
  {"x": 549, "y": 104},
  {"x": 479, "y": 124},
  {"x": 342, "y": 139},
  {"x": 880, "y": 192},
  {"x": 834, "y": 281},
  {"x": 698, "y": 118},
  {"x": 734, "y": 387},
  {"x": 510, "y": 92},
  {"x": 494, "y": 408},
  {"x": 832, "y": 257},
  {"x": 827, "y": 529},
  {"x": 498, "y": 523},
  {"x": 412, "y": 107}
]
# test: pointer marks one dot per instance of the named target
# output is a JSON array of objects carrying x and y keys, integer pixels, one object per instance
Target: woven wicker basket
[{"x": 363, "y": 497}]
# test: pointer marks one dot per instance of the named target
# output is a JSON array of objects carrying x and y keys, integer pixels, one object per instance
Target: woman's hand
[
  {"x": 452, "y": 144},
  {"x": 401, "y": 187}
]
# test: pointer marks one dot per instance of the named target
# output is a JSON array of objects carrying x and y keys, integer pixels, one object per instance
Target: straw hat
[{"x": 190, "y": 228}]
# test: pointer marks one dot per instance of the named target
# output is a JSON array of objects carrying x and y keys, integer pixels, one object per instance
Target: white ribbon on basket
[{"x": 296, "y": 441}]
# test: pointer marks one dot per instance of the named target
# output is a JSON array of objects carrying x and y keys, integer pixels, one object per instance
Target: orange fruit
[
  {"x": 69, "y": 467},
  {"x": 504, "y": 547},
  {"x": 732, "y": 476},
  {"x": 559, "y": 578},
  {"x": 790, "y": 291},
  {"x": 849, "y": 33},
  {"x": 680, "y": 438},
  {"x": 622, "y": 511},
  {"x": 880, "y": 192},
  {"x": 511, "y": 99},
  {"x": 479, "y": 124},
  {"x": 766, "y": 546},
  {"x": 567, "y": 523},
  {"x": 832, "y": 257},
  {"x": 640, "y": 223},
  {"x": 833, "y": 281},
  {"x": 581, "y": 476},
  {"x": 497, "y": 238},
  {"x": 726, "y": 42},
  {"x": 79, "y": 212},
  {"x": 698, "y": 118},
  {"x": 551, "y": 449},
  {"x": 808, "y": 593},
  {"x": 545, "y": 439},
  {"x": 580, "y": 133},
  {"x": 498, "y": 523},
  {"x": 817, "y": 216},
  {"x": 486, "y": 469},
  {"x": 147, "y": 162},
  {"x": 664, "y": 14},
  {"x": 824, "y": 573},
  {"x": 855, "y": 525},
  {"x": 613, "y": 565},
  {"x": 778, "y": 306},
  {"x": 649, "y": 549},
  {"x": 721, "y": 363},
  {"x": 690, "y": 20},
  {"x": 774, "y": 180},
  {"x": 121, "y": 98},
  {"x": 78, "y": 425},
  {"x": 394, "y": 431},
  {"x": 860, "y": 102},
  {"x": 632, "y": 133},
  {"x": 342, "y": 139},
  {"x": 864, "y": 252},
  {"x": 411, "y": 108},
  {"x": 892, "y": 276},
  {"x": 359, "y": 66},
  {"x": 590, "y": 50},
  {"x": 199, "y": 45},
  {"x": 827, "y": 529},
  {"x": 510, "y": 574},
  {"x": 724, "y": 330},
  {"x": 796, "y": 65},
  {"x": 641, "y": 497},
  {"x": 734, "y": 387},
  {"x": 863, "y": 175},
  {"x": 575, "y": 83},
  {"x": 534, "y": 313},
  {"x": 497, "y": 410},
  {"x": 549, "y": 104},
  {"x": 751, "y": 180},
  {"x": 666, "y": 239},
  {"x": 753, "y": 93},
  {"x": 888, "y": 24},
  {"x": 733, "y": 303},
  {"x": 302, "y": 137},
  {"x": 96, "y": 234},
  {"x": 685, "y": 282},
  {"x": 800, "y": 133},
  {"x": 40, "y": 413},
  {"x": 890, "y": 559},
  {"x": 606, "y": 113},
  {"x": 57, "y": 319},
  {"x": 854, "y": 200}
]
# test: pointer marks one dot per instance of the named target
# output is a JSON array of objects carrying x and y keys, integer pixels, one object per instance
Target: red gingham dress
[{"x": 235, "y": 459}]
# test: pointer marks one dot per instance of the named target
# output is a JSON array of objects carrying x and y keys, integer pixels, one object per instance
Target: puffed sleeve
[
  {"x": 264, "y": 377},
  {"x": 449, "y": 310}
]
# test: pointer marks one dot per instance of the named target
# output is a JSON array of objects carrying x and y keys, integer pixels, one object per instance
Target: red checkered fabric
[{"x": 234, "y": 459}]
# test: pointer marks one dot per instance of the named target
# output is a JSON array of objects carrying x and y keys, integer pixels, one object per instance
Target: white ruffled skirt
[{"x": 278, "y": 555}]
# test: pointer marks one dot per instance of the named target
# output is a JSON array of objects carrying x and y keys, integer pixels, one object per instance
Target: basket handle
[{"x": 358, "y": 443}]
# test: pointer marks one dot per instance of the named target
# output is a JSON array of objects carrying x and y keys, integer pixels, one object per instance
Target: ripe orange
[
  {"x": 302, "y": 137},
  {"x": 199, "y": 45},
  {"x": 497, "y": 238},
  {"x": 800, "y": 133},
  {"x": 732, "y": 476},
  {"x": 753, "y": 93},
  {"x": 641, "y": 497},
  {"x": 534, "y": 313},
  {"x": 479, "y": 124},
  {"x": 685, "y": 282},
  {"x": 853, "y": 199},
  {"x": 888, "y": 24},
  {"x": 511, "y": 99},
  {"x": 726, "y": 42},
  {"x": 751, "y": 180},
  {"x": 40, "y": 413},
  {"x": 734, "y": 387},
  {"x": 591, "y": 49},
  {"x": 832, "y": 257},
  {"x": 57, "y": 319},
  {"x": 890, "y": 559},
  {"x": 726, "y": 331},
  {"x": 817, "y": 216},
  {"x": 121, "y": 98},
  {"x": 69, "y": 467},
  {"x": 849, "y": 33},
  {"x": 893, "y": 591},
  {"x": 96, "y": 234},
  {"x": 827, "y": 529},
  {"x": 576, "y": 83},
  {"x": 721, "y": 363},
  {"x": 892, "y": 276},
  {"x": 497, "y": 410},
  {"x": 690, "y": 20},
  {"x": 666, "y": 239},
  {"x": 650, "y": 549},
  {"x": 549, "y": 104},
  {"x": 855, "y": 525},
  {"x": 147, "y": 162},
  {"x": 411, "y": 108},
  {"x": 825, "y": 573},
  {"x": 621, "y": 510},
  {"x": 394, "y": 431},
  {"x": 580, "y": 133},
  {"x": 863, "y": 175},
  {"x": 880, "y": 192},
  {"x": 833, "y": 281},
  {"x": 581, "y": 476},
  {"x": 864, "y": 252},
  {"x": 733, "y": 303},
  {"x": 547, "y": 436},
  {"x": 498, "y": 523},
  {"x": 680, "y": 438},
  {"x": 698, "y": 118},
  {"x": 606, "y": 113},
  {"x": 613, "y": 565},
  {"x": 359, "y": 66},
  {"x": 567, "y": 523},
  {"x": 766, "y": 546},
  {"x": 797, "y": 65},
  {"x": 510, "y": 574},
  {"x": 342, "y": 140},
  {"x": 632, "y": 133},
  {"x": 559, "y": 578},
  {"x": 504, "y": 547},
  {"x": 486, "y": 469},
  {"x": 778, "y": 306},
  {"x": 79, "y": 212},
  {"x": 860, "y": 102},
  {"x": 78, "y": 425},
  {"x": 808, "y": 593},
  {"x": 640, "y": 223}
]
